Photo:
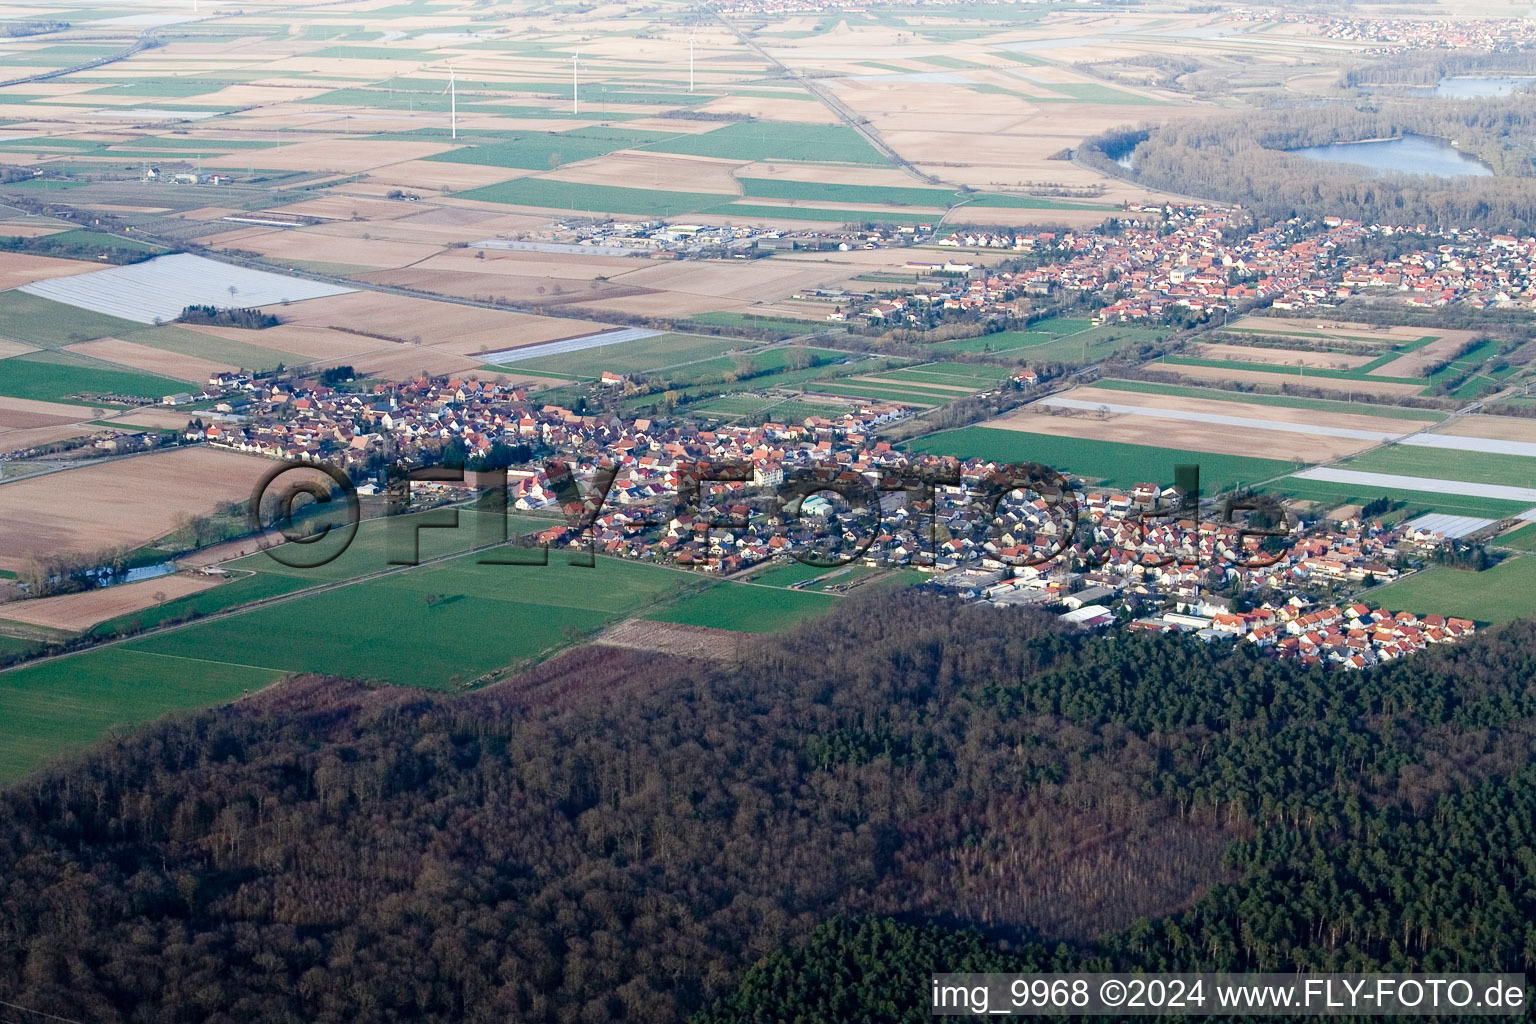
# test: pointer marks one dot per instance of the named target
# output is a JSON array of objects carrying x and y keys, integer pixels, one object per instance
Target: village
[
  {"x": 1147, "y": 557},
  {"x": 1190, "y": 262}
]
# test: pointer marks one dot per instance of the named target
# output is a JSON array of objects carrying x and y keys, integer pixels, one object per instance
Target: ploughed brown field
[
  {"x": 125, "y": 502},
  {"x": 76, "y": 612}
]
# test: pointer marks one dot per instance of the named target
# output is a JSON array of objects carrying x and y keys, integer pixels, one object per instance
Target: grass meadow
[
  {"x": 1506, "y": 591},
  {"x": 1110, "y": 462}
]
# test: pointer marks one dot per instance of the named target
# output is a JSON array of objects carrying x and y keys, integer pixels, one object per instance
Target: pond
[
  {"x": 1411, "y": 154},
  {"x": 1467, "y": 87}
]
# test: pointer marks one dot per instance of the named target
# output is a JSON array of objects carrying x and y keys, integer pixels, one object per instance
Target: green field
[
  {"x": 249, "y": 355},
  {"x": 1435, "y": 463},
  {"x": 827, "y": 192},
  {"x": 490, "y": 617},
  {"x": 777, "y": 140},
  {"x": 1284, "y": 401},
  {"x": 967, "y": 375},
  {"x": 54, "y": 377},
  {"x": 10, "y": 645},
  {"x": 227, "y": 595},
  {"x": 541, "y": 151},
  {"x": 434, "y": 626},
  {"x": 771, "y": 363},
  {"x": 1521, "y": 539},
  {"x": 577, "y": 197},
  {"x": 753, "y": 212},
  {"x": 1332, "y": 494},
  {"x": 766, "y": 323},
  {"x": 1507, "y": 591},
  {"x": 775, "y": 408},
  {"x": 1358, "y": 373},
  {"x": 639, "y": 356},
  {"x": 885, "y": 393},
  {"x": 1063, "y": 340},
  {"x": 745, "y": 608},
  {"x": 65, "y": 704},
  {"x": 46, "y": 322},
  {"x": 814, "y": 579},
  {"x": 1114, "y": 464}
]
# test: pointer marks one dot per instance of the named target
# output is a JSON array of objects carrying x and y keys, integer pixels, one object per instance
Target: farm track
[{"x": 832, "y": 103}]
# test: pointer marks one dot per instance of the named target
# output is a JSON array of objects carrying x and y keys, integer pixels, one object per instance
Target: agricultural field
[
  {"x": 1342, "y": 356},
  {"x": 746, "y": 608},
  {"x": 46, "y": 322},
  {"x": 1327, "y": 494},
  {"x": 1058, "y": 340},
  {"x": 639, "y": 356},
  {"x": 1425, "y": 416},
  {"x": 1438, "y": 464},
  {"x": 123, "y": 503},
  {"x": 1110, "y": 463},
  {"x": 1506, "y": 591},
  {"x": 61, "y": 377},
  {"x": 1204, "y": 424},
  {"x": 783, "y": 325},
  {"x": 399, "y": 628},
  {"x": 923, "y": 385},
  {"x": 157, "y": 290},
  {"x": 69, "y": 703},
  {"x": 390, "y": 627}
]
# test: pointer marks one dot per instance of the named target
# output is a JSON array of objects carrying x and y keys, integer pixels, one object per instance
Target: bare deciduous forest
[
  {"x": 1244, "y": 159},
  {"x": 623, "y": 836}
]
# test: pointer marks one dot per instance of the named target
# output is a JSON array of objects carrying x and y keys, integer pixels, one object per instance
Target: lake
[
  {"x": 1466, "y": 87},
  {"x": 1411, "y": 154}
]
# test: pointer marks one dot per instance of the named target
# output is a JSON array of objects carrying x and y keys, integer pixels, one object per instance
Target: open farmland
[
  {"x": 1282, "y": 356},
  {"x": 1112, "y": 463},
  {"x": 194, "y": 369},
  {"x": 746, "y": 608},
  {"x": 46, "y": 322},
  {"x": 158, "y": 290},
  {"x": 1286, "y": 432},
  {"x": 17, "y": 269},
  {"x": 56, "y": 376},
  {"x": 123, "y": 503},
  {"x": 1058, "y": 340},
  {"x": 1332, "y": 493},
  {"x": 649, "y": 352},
  {"x": 924, "y": 385},
  {"x": 1506, "y": 591},
  {"x": 78, "y": 612},
  {"x": 1455, "y": 495},
  {"x": 1201, "y": 424},
  {"x": 67, "y": 704},
  {"x": 1494, "y": 428},
  {"x": 1468, "y": 466},
  {"x": 387, "y": 629},
  {"x": 1276, "y": 378},
  {"x": 1256, "y": 398}
]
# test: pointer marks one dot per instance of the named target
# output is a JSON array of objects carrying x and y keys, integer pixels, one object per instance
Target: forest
[
  {"x": 1244, "y": 159},
  {"x": 796, "y": 832},
  {"x": 251, "y": 319}
]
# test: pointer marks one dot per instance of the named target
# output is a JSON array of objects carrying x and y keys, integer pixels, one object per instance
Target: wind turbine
[
  {"x": 453, "y": 104},
  {"x": 691, "y": 36},
  {"x": 575, "y": 83}
]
